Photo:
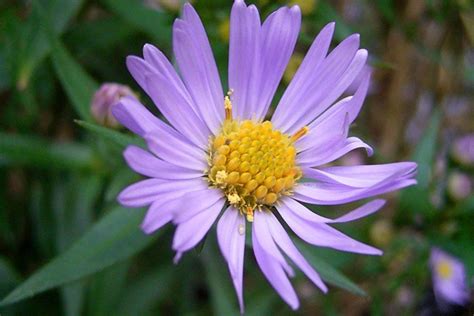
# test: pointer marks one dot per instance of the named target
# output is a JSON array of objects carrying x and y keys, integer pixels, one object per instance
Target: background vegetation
[{"x": 66, "y": 248}]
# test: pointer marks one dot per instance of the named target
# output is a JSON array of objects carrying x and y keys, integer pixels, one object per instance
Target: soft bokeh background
[{"x": 60, "y": 170}]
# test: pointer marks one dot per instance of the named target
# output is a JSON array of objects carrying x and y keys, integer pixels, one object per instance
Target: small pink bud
[{"x": 104, "y": 99}]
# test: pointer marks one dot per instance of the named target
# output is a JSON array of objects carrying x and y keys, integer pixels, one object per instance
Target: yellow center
[
  {"x": 444, "y": 269},
  {"x": 252, "y": 163}
]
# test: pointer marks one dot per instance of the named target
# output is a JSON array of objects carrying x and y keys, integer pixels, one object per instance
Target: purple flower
[
  {"x": 463, "y": 150},
  {"x": 449, "y": 278},
  {"x": 219, "y": 153}
]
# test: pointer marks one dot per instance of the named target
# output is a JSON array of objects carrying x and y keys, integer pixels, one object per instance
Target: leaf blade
[
  {"x": 327, "y": 272},
  {"x": 113, "y": 239}
]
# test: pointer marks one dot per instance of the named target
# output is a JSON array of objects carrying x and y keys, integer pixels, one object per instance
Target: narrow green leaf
[
  {"x": 111, "y": 135},
  {"x": 73, "y": 213},
  {"x": 114, "y": 238},
  {"x": 154, "y": 23},
  {"x": 325, "y": 13},
  {"x": 142, "y": 294},
  {"x": 37, "y": 152},
  {"x": 8, "y": 276},
  {"x": 77, "y": 83},
  {"x": 222, "y": 294},
  {"x": 327, "y": 272},
  {"x": 387, "y": 9},
  {"x": 105, "y": 289},
  {"x": 36, "y": 45}
]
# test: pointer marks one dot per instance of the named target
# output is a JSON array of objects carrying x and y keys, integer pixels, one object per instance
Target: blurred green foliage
[{"x": 61, "y": 229}]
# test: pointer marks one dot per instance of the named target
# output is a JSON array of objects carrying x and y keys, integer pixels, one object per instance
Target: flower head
[
  {"x": 463, "y": 150},
  {"x": 449, "y": 278},
  {"x": 219, "y": 156},
  {"x": 104, "y": 99}
]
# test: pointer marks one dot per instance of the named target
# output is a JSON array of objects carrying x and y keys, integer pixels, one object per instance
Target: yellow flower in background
[
  {"x": 293, "y": 65},
  {"x": 224, "y": 29},
  {"x": 306, "y": 6},
  {"x": 171, "y": 5}
]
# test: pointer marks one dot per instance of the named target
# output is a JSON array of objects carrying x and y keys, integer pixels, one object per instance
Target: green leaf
[
  {"x": 416, "y": 198},
  {"x": 73, "y": 212},
  {"x": 152, "y": 22},
  {"x": 36, "y": 152},
  {"x": 105, "y": 289},
  {"x": 114, "y": 238},
  {"x": 327, "y": 272},
  {"x": 223, "y": 297},
  {"x": 387, "y": 8},
  {"x": 77, "y": 83},
  {"x": 8, "y": 276},
  {"x": 145, "y": 292},
  {"x": 108, "y": 32},
  {"x": 465, "y": 207},
  {"x": 111, "y": 135},
  {"x": 51, "y": 14},
  {"x": 325, "y": 13}
]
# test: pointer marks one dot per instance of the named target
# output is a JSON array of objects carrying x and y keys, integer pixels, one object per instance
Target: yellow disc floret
[
  {"x": 444, "y": 269},
  {"x": 253, "y": 163}
]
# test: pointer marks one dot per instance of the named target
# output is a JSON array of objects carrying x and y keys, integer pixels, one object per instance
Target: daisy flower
[
  {"x": 449, "y": 278},
  {"x": 218, "y": 157}
]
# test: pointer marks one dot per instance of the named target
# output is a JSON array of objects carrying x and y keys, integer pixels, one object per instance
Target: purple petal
[
  {"x": 134, "y": 116},
  {"x": 320, "y": 141},
  {"x": 320, "y": 234},
  {"x": 284, "y": 242},
  {"x": 310, "y": 64},
  {"x": 145, "y": 192},
  {"x": 176, "y": 150},
  {"x": 195, "y": 202},
  {"x": 308, "y": 103},
  {"x": 317, "y": 157},
  {"x": 161, "y": 65},
  {"x": 271, "y": 268},
  {"x": 188, "y": 234},
  {"x": 347, "y": 108},
  {"x": 139, "y": 69},
  {"x": 359, "y": 176},
  {"x": 144, "y": 163},
  {"x": 159, "y": 214},
  {"x": 155, "y": 62},
  {"x": 331, "y": 193},
  {"x": 197, "y": 65},
  {"x": 278, "y": 38},
  {"x": 175, "y": 106},
  {"x": 231, "y": 238},
  {"x": 244, "y": 57},
  {"x": 264, "y": 238},
  {"x": 306, "y": 214}
]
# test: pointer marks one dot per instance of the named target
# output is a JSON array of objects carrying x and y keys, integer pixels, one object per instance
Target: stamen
[
  {"x": 228, "y": 105},
  {"x": 249, "y": 214},
  {"x": 303, "y": 131}
]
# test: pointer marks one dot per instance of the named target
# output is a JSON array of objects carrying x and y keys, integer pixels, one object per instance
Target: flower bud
[
  {"x": 463, "y": 150},
  {"x": 104, "y": 99},
  {"x": 459, "y": 186},
  {"x": 381, "y": 232}
]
